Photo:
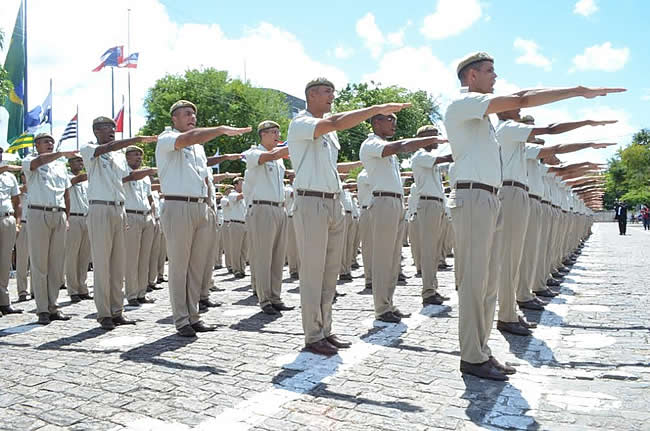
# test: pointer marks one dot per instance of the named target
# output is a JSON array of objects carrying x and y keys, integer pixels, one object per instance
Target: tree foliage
[
  {"x": 628, "y": 175},
  {"x": 5, "y": 83},
  {"x": 424, "y": 111},
  {"x": 220, "y": 100}
]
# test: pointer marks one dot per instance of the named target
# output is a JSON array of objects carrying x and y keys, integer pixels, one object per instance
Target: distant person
[{"x": 621, "y": 216}]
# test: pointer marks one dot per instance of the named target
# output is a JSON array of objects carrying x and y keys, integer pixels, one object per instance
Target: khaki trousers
[
  {"x": 430, "y": 214},
  {"x": 218, "y": 261},
  {"x": 225, "y": 240},
  {"x": 476, "y": 218},
  {"x": 386, "y": 214},
  {"x": 345, "y": 256},
  {"x": 350, "y": 252},
  {"x": 365, "y": 232},
  {"x": 413, "y": 228},
  {"x": 208, "y": 281},
  {"x": 7, "y": 241},
  {"x": 46, "y": 246},
  {"x": 237, "y": 236},
  {"x": 187, "y": 231},
  {"x": 356, "y": 242},
  {"x": 292, "y": 249},
  {"x": 544, "y": 264},
  {"x": 139, "y": 239},
  {"x": 162, "y": 256},
  {"x": 319, "y": 224},
  {"x": 77, "y": 256},
  {"x": 516, "y": 211},
  {"x": 267, "y": 226},
  {"x": 531, "y": 258},
  {"x": 155, "y": 253},
  {"x": 106, "y": 227},
  {"x": 22, "y": 260},
  {"x": 401, "y": 233}
]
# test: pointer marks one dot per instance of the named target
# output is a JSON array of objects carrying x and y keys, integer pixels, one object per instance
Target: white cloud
[
  {"x": 343, "y": 52},
  {"x": 451, "y": 18},
  {"x": 165, "y": 47},
  {"x": 585, "y": 7},
  {"x": 601, "y": 57},
  {"x": 372, "y": 36},
  {"x": 530, "y": 54},
  {"x": 396, "y": 38},
  {"x": 646, "y": 95}
]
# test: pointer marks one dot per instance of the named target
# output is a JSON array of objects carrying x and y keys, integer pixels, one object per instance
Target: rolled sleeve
[
  {"x": 167, "y": 142},
  {"x": 252, "y": 157},
  {"x": 371, "y": 149},
  {"x": 88, "y": 152},
  {"x": 303, "y": 128},
  {"x": 474, "y": 106}
]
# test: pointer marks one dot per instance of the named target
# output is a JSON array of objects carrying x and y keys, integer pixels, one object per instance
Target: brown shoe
[
  {"x": 322, "y": 347},
  {"x": 484, "y": 370},
  {"x": 337, "y": 342},
  {"x": 504, "y": 368},
  {"x": 513, "y": 328}
]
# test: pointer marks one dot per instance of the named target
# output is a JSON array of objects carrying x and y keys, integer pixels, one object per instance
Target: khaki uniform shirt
[
  {"x": 427, "y": 174},
  {"x": 137, "y": 194},
  {"x": 383, "y": 172},
  {"x": 78, "y": 197},
  {"x": 513, "y": 136},
  {"x": 364, "y": 188},
  {"x": 105, "y": 174},
  {"x": 181, "y": 171},
  {"x": 265, "y": 181},
  {"x": 47, "y": 183},
  {"x": 8, "y": 188}
]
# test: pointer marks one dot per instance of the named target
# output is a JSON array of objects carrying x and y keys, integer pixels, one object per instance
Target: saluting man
[{"x": 10, "y": 215}]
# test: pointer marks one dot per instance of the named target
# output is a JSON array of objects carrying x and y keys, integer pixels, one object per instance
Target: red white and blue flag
[
  {"x": 119, "y": 121},
  {"x": 113, "y": 57},
  {"x": 131, "y": 61}
]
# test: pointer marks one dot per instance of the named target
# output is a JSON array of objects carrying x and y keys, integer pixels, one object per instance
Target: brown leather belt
[
  {"x": 546, "y": 202},
  {"x": 186, "y": 199},
  {"x": 48, "y": 209},
  {"x": 139, "y": 212},
  {"x": 537, "y": 198},
  {"x": 387, "y": 195},
  {"x": 515, "y": 184},
  {"x": 99, "y": 202},
  {"x": 348, "y": 212},
  {"x": 314, "y": 194},
  {"x": 555, "y": 206},
  {"x": 364, "y": 207},
  {"x": 237, "y": 221},
  {"x": 9, "y": 214},
  {"x": 275, "y": 204},
  {"x": 78, "y": 214},
  {"x": 474, "y": 185},
  {"x": 431, "y": 198}
]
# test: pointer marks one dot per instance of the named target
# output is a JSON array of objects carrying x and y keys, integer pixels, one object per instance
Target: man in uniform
[
  {"x": 266, "y": 218},
  {"x": 22, "y": 247},
  {"x": 141, "y": 226},
  {"x": 47, "y": 216},
  {"x": 185, "y": 217},
  {"x": 236, "y": 205},
  {"x": 292, "y": 250},
  {"x": 106, "y": 167},
  {"x": 10, "y": 216},
  {"x": 475, "y": 208},
  {"x": 318, "y": 216},
  {"x": 365, "y": 196},
  {"x": 378, "y": 156},
  {"x": 77, "y": 244}
]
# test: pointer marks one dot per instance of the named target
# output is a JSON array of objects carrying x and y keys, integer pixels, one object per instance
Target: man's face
[
  {"x": 134, "y": 159},
  {"x": 104, "y": 133},
  {"x": 44, "y": 145},
  {"x": 385, "y": 126},
  {"x": 429, "y": 134},
  {"x": 321, "y": 98},
  {"x": 270, "y": 138},
  {"x": 484, "y": 77},
  {"x": 76, "y": 165},
  {"x": 238, "y": 186},
  {"x": 184, "y": 119}
]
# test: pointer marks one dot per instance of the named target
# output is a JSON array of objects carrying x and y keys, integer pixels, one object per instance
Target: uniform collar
[{"x": 464, "y": 89}]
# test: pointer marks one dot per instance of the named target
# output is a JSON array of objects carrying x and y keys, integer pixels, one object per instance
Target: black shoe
[
  {"x": 505, "y": 369},
  {"x": 59, "y": 316},
  {"x": 146, "y": 300},
  {"x": 161, "y": 280},
  {"x": 345, "y": 277},
  {"x": 240, "y": 275},
  {"x": 202, "y": 307},
  {"x": 134, "y": 302},
  {"x": 526, "y": 324},
  {"x": 389, "y": 317},
  {"x": 6, "y": 309},
  {"x": 121, "y": 320},
  {"x": 322, "y": 347},
  {"x": 401, "y": 277},
  {"x": 85, "y": 296},
  {"x": 107, "y": 323},
  {"x": 210, "y": 304},
  {"x": 75, "y": 298},
  {"x": 270, "y": 310},
  {"x": 484, "y": 370},
  {"x": 553, "y": 282},
  {"x": 62, "y": 287},
  {"x": 280, "y": 306},
  {"x": 155, "y": 287},
  {"x": 547, "y": 293},
  {"x": 337, "y": 342},
  {"x": 294, "y": 275},
  {"x": 22, "y": 298},
  {"x": 530, "y": 305},
  {"x": 186, "y": 331},
  {"x": 418, "y": 274},
  {"x": 556, "y": 274},
  {"x": 355, "y": 266},
  {"x": 43, "y": 319},
  {"x": 149, "y": 289},
  {"x": 513, "y": 328},
  {"x": 202, "y": 327},
  {"x": 432, "y": 300},
  {"x": 401, "y": 315}
]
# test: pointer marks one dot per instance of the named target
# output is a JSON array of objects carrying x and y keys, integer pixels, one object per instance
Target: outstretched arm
[
  {"x": 410, "y": 145},
  {"x": 44, "y": 159},
  {"x": 215, "y": 160},
  {"x": 349, "y": 119},
  {"x": 123, "y": 143},
  {"x": 556, "y": 128},
  {"x": 205, "y": 134},
  {"x": 570, "y": 148}
]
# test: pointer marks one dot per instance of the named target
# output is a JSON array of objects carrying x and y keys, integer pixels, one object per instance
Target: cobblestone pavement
[{"x": 586, "y": 367}]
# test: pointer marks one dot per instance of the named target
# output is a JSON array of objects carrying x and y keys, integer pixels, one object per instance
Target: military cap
[
  {"x": 427, "y": 128},
  {"x": 132, "y": 148},
  {"x": 237, "y": 180},
  {"x": 267, "y": 124},
  {"x": 319, "y": 81},
  {"x": 103, "y": 120},
  {"x": 43, "y": 135},
  {"x": 471, "y": 59},
  {"x": 182, "y": 104},
  {"x": 528, "y": 119}
]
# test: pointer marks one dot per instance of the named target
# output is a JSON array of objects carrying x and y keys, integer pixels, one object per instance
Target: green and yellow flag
[
  {"x": 15, "y": 66},
  {"x": 26, "y": 140}
]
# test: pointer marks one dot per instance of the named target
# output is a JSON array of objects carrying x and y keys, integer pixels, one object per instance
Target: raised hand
[
  {"x": 602, "y": 144},
  {"x": 590, "y": 93},
  {"x": 390, "y": 108},
  {"x": 233, "y": 156},
  {"x": 602, "y": 123},
  {"x": 70, "y": 154},
  {"x": 235, "y": 131}
]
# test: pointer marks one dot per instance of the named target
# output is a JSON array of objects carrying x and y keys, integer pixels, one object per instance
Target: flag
[
  {"x": 26, "y": 140},
  {"x": 15, "y": 66},
  {"x": 111, "y": 58},
  {"x": 42, "y": 114},
  {"x": 70, "y": 130},
  {"x": 131, "y": 61},
  {"x": 119, "y": 121}
]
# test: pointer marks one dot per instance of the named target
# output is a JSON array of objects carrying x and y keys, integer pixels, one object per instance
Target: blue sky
[{"x": 414, "y": 44}]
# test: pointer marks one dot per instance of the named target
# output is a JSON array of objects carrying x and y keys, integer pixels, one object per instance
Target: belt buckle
[
  {"x": 54, "y": 209},
  {"x": 201, "y": 200}
]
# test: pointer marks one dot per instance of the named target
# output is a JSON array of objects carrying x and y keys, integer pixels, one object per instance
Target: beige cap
[
  {"x": 528, "y": 119},
  {"x": 471, "y": 59},
  {"x": 132, "y": 148},
  {"x": 182, "y": 104},
  {"x": 43, "y": 135},
  {"x": 427, "y": 128},
  {"x": 103, "y": 120},
  {"x": 267, "y": 124},
  {"x": 319, "y": 81}
]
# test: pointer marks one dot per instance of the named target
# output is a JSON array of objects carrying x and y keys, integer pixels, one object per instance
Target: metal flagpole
[
  {"x": 123, "y": 117},
  {"x": 77, "y": 128},
  {"x": 25, "y": 103},
  {"x": 112, "y": 94},
  {"x": 51, "y": 104},
  {"x": 128, "y": 50}
]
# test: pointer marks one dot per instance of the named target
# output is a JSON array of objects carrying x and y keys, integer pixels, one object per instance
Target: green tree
[
  {"x": 424, "y": 111},
  {"x": 5, "y": 83},
  {"x": 628, "y": 174},
  {"x": 220, "y": 100}
]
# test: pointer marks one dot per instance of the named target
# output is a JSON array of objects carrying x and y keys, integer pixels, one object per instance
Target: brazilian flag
[
  {"x": 15, "y": 66},
  {"x": 26, "y": 140}
]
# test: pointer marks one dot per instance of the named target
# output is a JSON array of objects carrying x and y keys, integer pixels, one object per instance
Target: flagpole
[
  {"x": 25, "y": 103},
  {"x": 123, "y": 116},
  {"x": 77, "y": 127},
  {"x": 128, "y": 50},
  {"x": 51, "y": 106},
  {"x": 112, "y": 94}
]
